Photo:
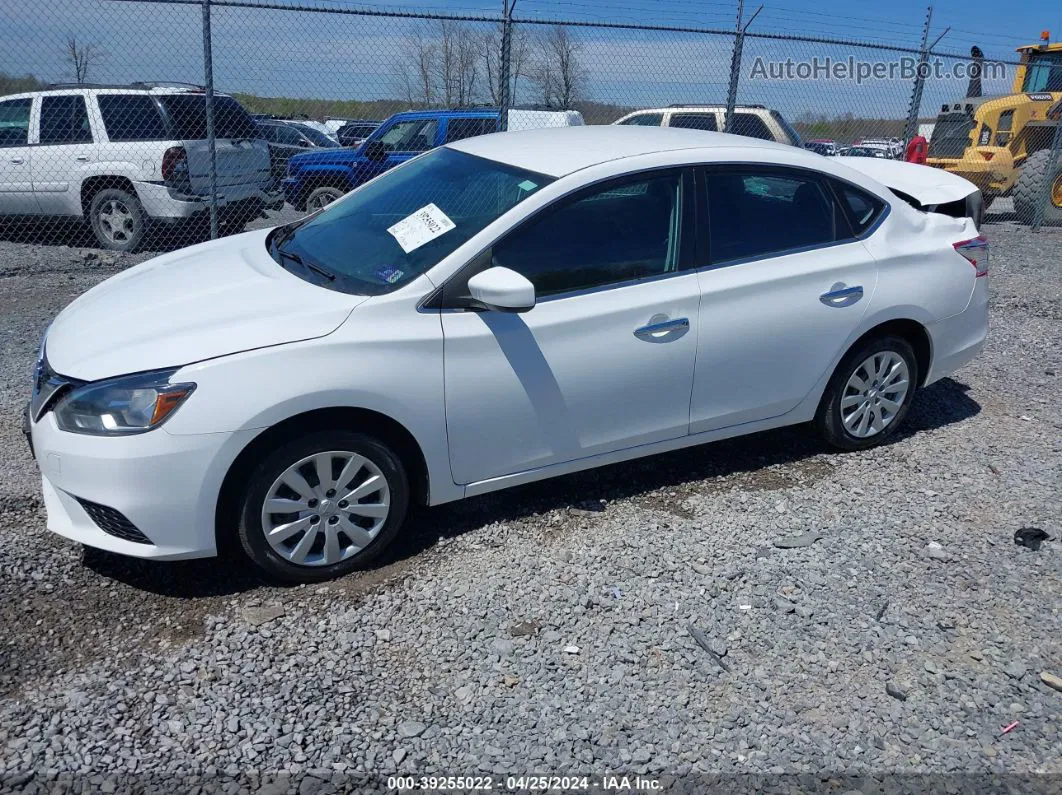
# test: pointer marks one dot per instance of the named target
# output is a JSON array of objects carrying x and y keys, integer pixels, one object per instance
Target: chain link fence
[{"x": 152, "y": 124}]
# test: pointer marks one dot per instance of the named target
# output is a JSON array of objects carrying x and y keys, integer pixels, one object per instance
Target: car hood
[
  {"x": 202, "y": 302},
  {"x": 330, "y": 156}
]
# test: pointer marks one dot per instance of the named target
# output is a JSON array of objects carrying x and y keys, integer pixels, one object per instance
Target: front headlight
[{"x": 122, "y": 406}]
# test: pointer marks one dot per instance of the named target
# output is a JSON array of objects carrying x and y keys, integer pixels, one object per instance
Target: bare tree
[
  {"x": 419, "y": 76},
  {"x": 442, "y": 69},
  {"x": 491, "y": 54},
  {"x": 558, "y": 73},
  {"x": 455, "y": 67},
  {"x": 82, "y": 58}
]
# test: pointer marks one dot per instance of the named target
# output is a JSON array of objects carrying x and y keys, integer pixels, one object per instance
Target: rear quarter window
[
  {"x": 187, "y": 113},
  {"x": 132, "y": 117},
  {"x": 862, "y": 208}
]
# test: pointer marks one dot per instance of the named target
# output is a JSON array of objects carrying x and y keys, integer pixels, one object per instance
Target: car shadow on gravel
[{"x": 764, "y": 461}]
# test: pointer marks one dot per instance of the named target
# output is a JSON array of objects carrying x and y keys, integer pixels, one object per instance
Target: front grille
[
  {"x": 951, "y": 135},
  {"x": 113, "y": 522}
]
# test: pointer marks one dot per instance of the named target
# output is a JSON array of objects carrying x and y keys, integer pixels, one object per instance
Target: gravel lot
[{"x": 546, "y": 629}]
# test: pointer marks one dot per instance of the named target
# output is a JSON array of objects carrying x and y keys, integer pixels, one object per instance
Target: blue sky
[{"x": 332, "y": 56}]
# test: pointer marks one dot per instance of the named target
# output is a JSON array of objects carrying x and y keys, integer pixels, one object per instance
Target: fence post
[
  {"x": 506, "y": 59},
  {"x": 735, "y": 68},
  {"x": 208, "y": 82},
  {"x": 1043, "y": 195},
  {"x": 919, "y": 83}
]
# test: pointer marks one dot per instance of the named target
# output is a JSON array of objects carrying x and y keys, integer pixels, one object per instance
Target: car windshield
[
  {"x": 315, "y": 135},
  {"x": 401, "y": 224}
]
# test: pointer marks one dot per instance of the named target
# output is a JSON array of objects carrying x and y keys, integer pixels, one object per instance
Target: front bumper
[
  {"x": 164, "y": 484},
  {"x": 164, "y": 203}
]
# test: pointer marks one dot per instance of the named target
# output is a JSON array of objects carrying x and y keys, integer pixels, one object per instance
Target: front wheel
[
  {"x": 869, "y": 394},
  {"x": 323, "y": 505},
  {"x": 322, "y": 197}
]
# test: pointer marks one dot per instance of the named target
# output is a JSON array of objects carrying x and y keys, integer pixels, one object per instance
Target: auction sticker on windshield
[{"x": 422, "y": 226}]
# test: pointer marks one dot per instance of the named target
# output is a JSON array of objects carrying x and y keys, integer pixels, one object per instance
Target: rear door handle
[
  {"x": 17, "y": 161},
  {"x": 651, "y": 330},
  {"x": 840, "y": 295},
  {"x": 82, "y": 158}
]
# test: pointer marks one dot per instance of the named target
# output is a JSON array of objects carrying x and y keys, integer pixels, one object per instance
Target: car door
[
  {"x": 605, "y": 359},
  {"x": 16, "y": 157},
  {"x": 787, "y": 286},
  {"x": 65, "y": 152}
]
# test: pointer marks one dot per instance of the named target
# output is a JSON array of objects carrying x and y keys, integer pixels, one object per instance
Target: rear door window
[
  {"x": 757, "y": 212},
  {"x": 14, "y": 122},
  {"x": 645, "y": 120},
  {"x": 459, "y": 129},
  {"x": 695, "y": 121},
  {"x": 752, "y": 126},
  {"x": 187, "y": 114},
  {"x": 64, "y": 120},
  {"x": 131, "y": 117}
]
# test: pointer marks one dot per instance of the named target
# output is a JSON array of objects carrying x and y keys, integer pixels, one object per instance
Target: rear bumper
[
  {"x": 164, "y": 203},
  {"x": 958, "y": 339}
]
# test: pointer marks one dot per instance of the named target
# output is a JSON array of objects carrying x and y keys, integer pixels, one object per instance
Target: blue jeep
[{"x": 315, "y": 179}]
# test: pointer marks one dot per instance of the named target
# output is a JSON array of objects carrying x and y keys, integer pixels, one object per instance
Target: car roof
[
  {"x": 558, "y": 151},
  {"x": 484, "y": 113}
]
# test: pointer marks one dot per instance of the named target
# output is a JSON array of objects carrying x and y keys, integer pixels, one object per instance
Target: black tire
[
  {"x": 828, "y": 419},
  {"x": 1027, "y": 189},
  {"x": 322, "y": 197},
  {"x": 118, "y": 220},
  {"x": 251, "y": 531}
]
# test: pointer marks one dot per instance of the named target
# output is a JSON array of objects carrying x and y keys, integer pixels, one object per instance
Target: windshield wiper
[{"x": 326, "y": 274}]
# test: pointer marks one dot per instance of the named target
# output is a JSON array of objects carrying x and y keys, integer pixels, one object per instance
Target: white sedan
[{"x": 497, "y": 311}]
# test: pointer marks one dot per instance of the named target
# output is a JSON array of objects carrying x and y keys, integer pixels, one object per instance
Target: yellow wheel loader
[{"x": 1003, "y": 144}]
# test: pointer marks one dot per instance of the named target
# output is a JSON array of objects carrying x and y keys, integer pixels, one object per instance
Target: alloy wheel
[
  {"x": 874, "y": 394},
  {"x": 325, "y": 508},
  {"x": 116, "y": 221},
  {"x": 321, "y": 199}
]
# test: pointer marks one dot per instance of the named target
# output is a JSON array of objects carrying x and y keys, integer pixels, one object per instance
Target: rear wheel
[
  {"x": 118, "y": 220},
  {"x": 322, "y": 197},
  {"x": 323, "y": 505},
  {"x": 1027, "y": 189},
  {"x": 869, "y": 394}
]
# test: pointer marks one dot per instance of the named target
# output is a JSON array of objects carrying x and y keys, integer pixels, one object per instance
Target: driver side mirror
[
  {"x": 502, "y": 290},
  {"x": 375, "y": 151}
]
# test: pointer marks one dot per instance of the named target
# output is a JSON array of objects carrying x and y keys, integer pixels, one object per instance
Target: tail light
[
  {"x": 174, "y": 160},
  {"x": 975, "y": 251}
]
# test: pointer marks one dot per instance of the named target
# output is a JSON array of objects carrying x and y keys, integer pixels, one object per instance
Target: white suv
[
  {"x": 753, "y": 121},
  {"x": 123, "y": 157}
]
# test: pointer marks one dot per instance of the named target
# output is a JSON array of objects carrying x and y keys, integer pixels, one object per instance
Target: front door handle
[
  {"x": 18, "y": 161},
  {"x": 840, "y": 295},
  {"x": 82, "y": 158},
  {"x": 657, "y": 329}
]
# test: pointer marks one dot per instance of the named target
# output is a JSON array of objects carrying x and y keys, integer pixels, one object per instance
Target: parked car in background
[
  {"x": 316, "y": 179},
  {"x": 316, "y": 137},
  {"x": 354, "y": 132},
  {"x": 823, "y": 147},
  {"x": 286, "y": 139},
  {"x": 754, "y": 121},
  {"x": 504, "y": 309},
  {"x": 892, "y": 147},
  {"x": 864, "y": 151},
  {"x": 124, "y": 157}
]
